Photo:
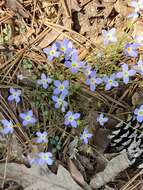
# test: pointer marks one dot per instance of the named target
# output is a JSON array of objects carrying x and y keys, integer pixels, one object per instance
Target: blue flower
[
  {"x": 137, "y": 5},
  {"x": 109, "y": 36},
  {"x": 87, "y": 70},
  {"x": 31, "y": 161},
  {"x": 28, "y": 118},
  {"x": 74, "y": 65},
  {"x": 85, "y": 136},
  {"x": 130, "y": 49},
  {"x": 110, "y": 82},
  {"x": 52, "y": 52},
  {"x": 44, "y": 81},
  {"x": 139, "y": 113},
  {"x": 8, "y": 126},
  {"x": 101, "y": 119},
  {"x": 126, "y": 73},
  {"x": 65, "y": 46},
  {"x": 42, "y": 137},
  {"x": 69, "y": 55},
  {"x": 15, "y": 95},
  {"x": 133, "y": 16},
  {"x": 61, "y": 87},
  {"x": 92, "y": 81},
  {"x": 139, "y": 67},
  {"x": 71, "y": 118},
  {"x": 139, "y": 39},
  {"x": 60, "y": 102},
  {"x": 20, "y": 77},
  {"x": 45, "y": 158}
]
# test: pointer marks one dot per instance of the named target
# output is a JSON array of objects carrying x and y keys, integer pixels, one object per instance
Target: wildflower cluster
[
  {"x": 130, "y": 50},
  {"x": 63, "y": 52}
]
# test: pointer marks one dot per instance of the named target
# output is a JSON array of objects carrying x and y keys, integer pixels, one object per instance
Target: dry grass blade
[
  {"x": 126, "y": 186},
  {"x": 66, "y": 7},
  {"x": 114, "y": 101},
  {"x": 56, "y": 27},
  {"x": 17, "y": 7},
  {"x": 15, "y": 58},
  {"x": 4, "y": 19}
]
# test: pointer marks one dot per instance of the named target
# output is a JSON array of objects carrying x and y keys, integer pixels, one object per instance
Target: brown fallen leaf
[
  {"x": 20, "y": 39},
  {"x": 39, "y": 177},
  {"x": 70, "y": 5},
  {"x": 138, "y": 28},
  {"x": 83, "y": 53},
  {"x": 84, "y": 2},
  {"x": 51, "y": 36},
  {"x": 109, "y": 1},
  {"x": 113, "y": 168},
  {"x": 84, "y": 23},
  {"x": 75, "y": 173},
  {"x": 122, "y": 8},
  {"x": 16, "y": 6},
  {"x": 138, "y": 31},
  {"x": 137, "y": 97},
  {"x": 77, "y": 176},
  {"x": 91, "y": 9}
]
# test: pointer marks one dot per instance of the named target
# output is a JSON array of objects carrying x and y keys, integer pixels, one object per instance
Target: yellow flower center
[
  {"x": 27, "y": 118},
  {"x": 43, "y": 136},
  {"x": 110, "y": 81},
  {"x": 52, "y": 52},
  {"x": 63, "y": 48},
  {"x": 61, "y": 87},
  {"x": 140, "y": 67},
  {"x": 45, "y": 81},
  {"x": 140, "y": 113},
  {"x": 126, "y": 74},
  {"x": 139, "y": 5},
  {"x": 85, "y": 136},
  {"x": 109, "y": 36},
  {"x": 71, "y": 118},
  {"x": 14, "y": 94},
  {"x": 74, "y": 64},
  {"x": 45, "y": 157},
  {"x": 92, "y": 81},
  {"x": 60, "y": 101},
  {"x": 129, "y": 49}
]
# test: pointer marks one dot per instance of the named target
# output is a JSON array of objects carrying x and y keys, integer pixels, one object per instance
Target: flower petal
[
  {"x": 73, "y": 124},
  {"x": 119, "y": 75},
  {"x": 10, "y": 98},
  {"x": 57, "y": 83},
  {"x": 76, "y": 115},
  {"x": 140, "y": 118},
  {"x": 132, "y": 72},
  {"x": 66, "y": 83}
]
